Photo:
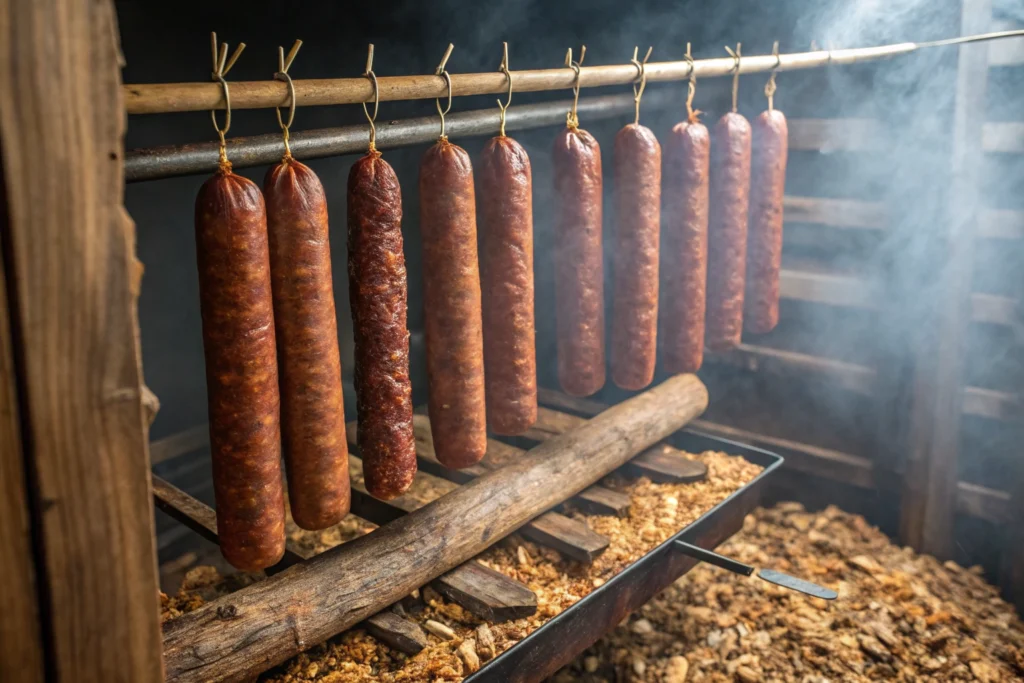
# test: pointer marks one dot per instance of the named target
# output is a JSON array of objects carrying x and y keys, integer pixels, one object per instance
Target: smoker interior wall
[{"x": 912, "y": 98}]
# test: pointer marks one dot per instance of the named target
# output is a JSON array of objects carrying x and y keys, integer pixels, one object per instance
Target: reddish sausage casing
[
  {"x": 764, "y": 238},
  {"x": 452, "y": 316},
  {"x": 312, "y": 414},
  {"x": 638, "y": 227},
  {"x": 685, "y": 248},
  {"x": 579, "y": 266},
  {"x": 241, "y": 369},
  {"x": 727, "y": 231},
  {"x": 506, "y": 284},
  {"x": 378, "y": 293}
]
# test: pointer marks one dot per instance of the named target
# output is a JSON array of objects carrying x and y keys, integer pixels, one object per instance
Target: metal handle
[{"x": 769, "y": 575}]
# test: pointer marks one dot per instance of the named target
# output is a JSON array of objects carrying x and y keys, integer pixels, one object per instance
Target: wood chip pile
[{"x": 900, "y": 616}]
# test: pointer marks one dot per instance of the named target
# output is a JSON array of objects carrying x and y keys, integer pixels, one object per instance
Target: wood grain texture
[
  {"x": 400, "y": 633},
  {"x": 304, "y": 605},
  {"x": 21, "y": 637},
  {"x": 486, "y": 593},
  {"x": 72, "y": 264}
]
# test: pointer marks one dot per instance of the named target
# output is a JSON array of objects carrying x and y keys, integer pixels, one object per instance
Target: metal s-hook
[
  {"x": 283, "y": 64},
  {"x": 735, "y": 74},
  {"x": 221, "y": 66},
  {"x": 448, "y": 80},
  {"x": 376, "y": 99},
  {"x": 769, "y": 87},
  {"x": 571, "y": 119},
  {"x": 692, "y": 115},
  {"x": 508, "y": 76},
  {"x": 638, "y": 90}
]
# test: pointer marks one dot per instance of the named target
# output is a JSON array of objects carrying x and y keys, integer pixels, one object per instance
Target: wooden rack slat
[
  {"x": 833, "y": 290},
  {"x": 973, "y": 500},
  {"x": 1003, "y": 137},
  {"x": 156, "y": 98},
  {"x": 836, "y": 213},
  {"x": 849, "y": 376}
]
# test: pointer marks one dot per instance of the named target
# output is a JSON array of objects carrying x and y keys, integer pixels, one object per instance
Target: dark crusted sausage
[
  {"x": 764, "y": 240},
  {"x": 378, "y": 293},
  {"x": 452, "y": 316},
  {"x": 241, "y": 369},
  {"x": 506, "y": 284},
  {"x": 637, "y": 234},
  {"x": 579, "y": 268},
  {"x": 727, "y": 231},
  {"x": 685, "y": 249},
  {"x": 312, "y": 415}
]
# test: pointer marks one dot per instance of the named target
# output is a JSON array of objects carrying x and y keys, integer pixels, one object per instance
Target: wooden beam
[
  {"x": 397, "y": 632},
  {"x": 21, "y": 637},
  {"x": 992, "y": 404},
  {"x": 930, "y": 481},
  {"x": 835, "y": 213},
  {"x": 833, "y": 290},
  {"x": 836, "y": 135},
  {"x": 274, "y": 619},
  {"x": 71, "y": 255},
  {"x": 849, "y": 376}
]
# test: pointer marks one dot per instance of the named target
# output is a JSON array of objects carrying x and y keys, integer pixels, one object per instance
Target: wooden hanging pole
[{"x": 158, "y": 98}]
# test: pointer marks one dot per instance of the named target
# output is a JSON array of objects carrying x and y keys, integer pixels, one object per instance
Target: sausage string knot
[{"x": 735, "y": 74}]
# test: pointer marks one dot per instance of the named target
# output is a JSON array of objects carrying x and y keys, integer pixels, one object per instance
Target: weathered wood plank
[
  {"x": 70, "y": 248},
  {"x": 276, "y": 618},
  {"x": 1003, "y": 137},
  {"x": 400, "y": 633},
  {"x": 835, "y": 213},
  {"x": 836, "y": 135},
  {"x": 21, "y": 636},
  {"x": 182, "y": 443},
  {"x": 487, "y": 593},
  {"x": 832, "y": 290},
  {"x": 849, "y": 376}
]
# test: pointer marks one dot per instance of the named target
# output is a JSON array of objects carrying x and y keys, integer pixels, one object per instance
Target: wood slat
[
  {"x": 836, "y": 213},
  {"x": 993, "y": 309},
  {"x": 1004, "y": 224},
  {"x": 1002, "y": 137},
  {"x": 850, "y": 376},
  {"x": 832, "y": 290},
  {"x": 397, "y": 632},
  {"x": 1009, "y": 51},
  {"x": 836, "y": 135},
  {"x": 70, "y": 250},
  {"x": 992, "y": 404},
  {"x": 977, "y": 501},
  {"x": 573, "y": 539}
]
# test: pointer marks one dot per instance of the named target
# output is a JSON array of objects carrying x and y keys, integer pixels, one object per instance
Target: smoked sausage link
[
  {"x": 764, "y": 240},
  {"x": 312, "y": 414},
  {"x": 241, "y": 369},
  {"x": 579, "y": 266},
  {"x": 378, "y": 294},
  {"x": 452, "y": 316},
  {"x": 638, "y": 228},
  {"x": 506, "y": 283},
  {"x": 727, "y": 231},
  {"x": 685, "y": 251}
]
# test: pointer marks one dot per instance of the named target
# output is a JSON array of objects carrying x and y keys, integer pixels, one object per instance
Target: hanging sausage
[
  {"x": 685, "y": 248},
  {"x": 241, "y": 358},
  {"x": 506, "y": 280},
  {"x": 312, "y": 414},
  {"x": 637, "y": 234},
  {"x": 764, "y": 240},
  {"x": 579, "y": 265},
  {"x": 451, "y": 292},
  {"x": 727, "y": 225},
  {"x": 378, "y": 294}
]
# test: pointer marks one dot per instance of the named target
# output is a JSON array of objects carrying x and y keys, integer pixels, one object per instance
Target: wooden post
[
  {"x": 930, "y": 486},
  {"x": 21, "y": 644},
  {"x": 69, "y": 252}
]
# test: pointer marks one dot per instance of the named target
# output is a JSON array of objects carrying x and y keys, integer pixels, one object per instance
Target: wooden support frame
[{"x": 72, "y": 278}]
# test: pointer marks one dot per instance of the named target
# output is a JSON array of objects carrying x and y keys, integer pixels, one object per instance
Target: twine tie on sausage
[
  {"x": 735, "y": 74},
  {"x": 448, "y": 81},
  {"x": 221, "y": 66},
  {"x": 638, "y": 90},
  {"x": 692, "y": 115},
  {"x": 769, "y": 87},
  {"x": 508, "y": 76},
  {"x": 571, "y": 119},
  {"x": 283, "y": 64},
  {"x": 376, "y": 100}
]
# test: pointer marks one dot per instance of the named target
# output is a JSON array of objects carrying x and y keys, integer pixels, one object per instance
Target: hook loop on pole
[
  {"x": 571, "y": 119},
  {"x": 448, "y": 81},
  {"x": 221, "y": 66},
  {"x": 508, "y": 76},
  {"x": 376, "y": 99},
  {"x": 735, "y": 74},
  {"x": 283, "y": 64},
  {"x": 769, "y": 87},
  {"x": 638, "y": 91}
]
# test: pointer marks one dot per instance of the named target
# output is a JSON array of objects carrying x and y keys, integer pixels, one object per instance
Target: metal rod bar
[
  {"x": 178, "y": 160},
  {"x": 727, "y": 563},
  {"x": 160, "y": 98}
]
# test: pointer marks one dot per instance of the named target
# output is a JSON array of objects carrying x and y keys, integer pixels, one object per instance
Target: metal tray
[{"x": 557, "y": 642}]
